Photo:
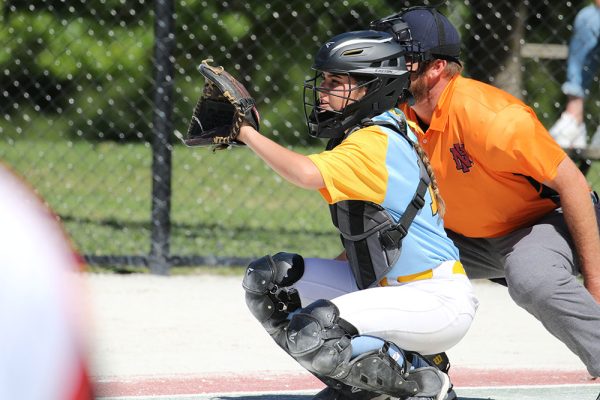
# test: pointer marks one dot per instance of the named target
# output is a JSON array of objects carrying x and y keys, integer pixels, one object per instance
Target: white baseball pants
[{"x": 427, "y": 316}]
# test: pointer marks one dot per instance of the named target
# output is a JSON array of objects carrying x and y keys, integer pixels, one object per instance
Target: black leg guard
[
  {"x": 378, "y": 371},
  {"x": 318, "y": 339},
  {"x": 321, "y": 342},
  {"x": 267, "y": 297}
]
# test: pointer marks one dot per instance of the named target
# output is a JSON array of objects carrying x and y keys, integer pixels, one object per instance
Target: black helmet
[{"x": 375, "y": 60}]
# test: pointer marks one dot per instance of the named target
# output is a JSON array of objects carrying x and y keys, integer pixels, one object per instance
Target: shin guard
[
  {"x": 267, "y": 293},
  {"x": 321, "y": 342},
  {"x": 379, "y": 371}
]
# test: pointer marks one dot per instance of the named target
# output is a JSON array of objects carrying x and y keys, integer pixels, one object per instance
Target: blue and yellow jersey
[{"x": 378, "y": 165}]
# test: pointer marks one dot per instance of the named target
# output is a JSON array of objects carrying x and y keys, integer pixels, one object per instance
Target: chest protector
[{"x": 373, "y": 241}]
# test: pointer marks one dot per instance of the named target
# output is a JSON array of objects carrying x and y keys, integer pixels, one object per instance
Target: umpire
[{"x": 517, "y": 206}]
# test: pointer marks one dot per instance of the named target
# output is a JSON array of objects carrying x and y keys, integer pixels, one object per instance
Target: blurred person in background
[
  {"x": 517, "y": 207},
  {"x": 582, "y": 65},
  {"x": 42, "y": 338}
]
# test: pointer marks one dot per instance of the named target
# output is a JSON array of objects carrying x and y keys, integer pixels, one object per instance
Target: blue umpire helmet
[{"x": 425, "y": 33}]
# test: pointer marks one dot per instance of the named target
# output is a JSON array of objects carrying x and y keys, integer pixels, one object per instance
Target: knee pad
[
  {"x": 265, "y": 284},
  {"x": 282, "y": 269}
]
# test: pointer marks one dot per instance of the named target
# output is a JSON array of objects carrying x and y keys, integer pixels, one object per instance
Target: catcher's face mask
[
  {"x": 336, "y": 91},
  {"x": 328, "y": 100}
]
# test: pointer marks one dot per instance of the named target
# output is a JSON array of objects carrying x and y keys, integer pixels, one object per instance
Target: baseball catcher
[
  {"x": 223, "y": 107},
  {"x": 366, "y": 322}
]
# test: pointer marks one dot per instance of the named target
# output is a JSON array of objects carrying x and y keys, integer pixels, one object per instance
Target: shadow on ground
[
  {"x": 308, "y": 397},
  {"x": 558, "y": 392}
]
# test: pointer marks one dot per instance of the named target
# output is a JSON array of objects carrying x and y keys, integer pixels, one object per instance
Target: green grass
[
  {"x": 227, "y": 204},
  {"x": 219, "y": 270}
]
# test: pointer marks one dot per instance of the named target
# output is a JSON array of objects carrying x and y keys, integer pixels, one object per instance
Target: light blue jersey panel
[{"x": 426, "y": 245}]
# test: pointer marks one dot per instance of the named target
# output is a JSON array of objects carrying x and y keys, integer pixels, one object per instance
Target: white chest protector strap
[{"x": 371, "y": 237}]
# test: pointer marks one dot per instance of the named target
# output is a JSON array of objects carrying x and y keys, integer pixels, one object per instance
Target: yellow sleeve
[{"x": 355, "y": 169}]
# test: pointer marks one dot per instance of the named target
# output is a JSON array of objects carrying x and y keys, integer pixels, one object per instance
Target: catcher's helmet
[{"x": 375, "y": 60}]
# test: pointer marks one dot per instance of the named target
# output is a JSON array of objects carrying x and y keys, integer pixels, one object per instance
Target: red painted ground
[{"x": 154, "y": 386}]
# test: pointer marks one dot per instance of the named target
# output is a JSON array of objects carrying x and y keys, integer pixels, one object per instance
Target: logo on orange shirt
[{"x": 461, "y": 157}]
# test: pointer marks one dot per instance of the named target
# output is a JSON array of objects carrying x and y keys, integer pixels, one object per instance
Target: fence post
[{"x": 161, "y": 144}]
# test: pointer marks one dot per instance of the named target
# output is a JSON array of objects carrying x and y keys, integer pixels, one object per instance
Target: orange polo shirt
[{"x": 482, "y": 143}]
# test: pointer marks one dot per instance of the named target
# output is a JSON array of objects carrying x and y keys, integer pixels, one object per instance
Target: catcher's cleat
[
  {"x": 446, "y": 392},
  {"x": 337, "y": 390},
  {"x": 345, "y": 392}
]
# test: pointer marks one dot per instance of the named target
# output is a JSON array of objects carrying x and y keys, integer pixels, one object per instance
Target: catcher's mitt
[{"x": 224, "y": 106}]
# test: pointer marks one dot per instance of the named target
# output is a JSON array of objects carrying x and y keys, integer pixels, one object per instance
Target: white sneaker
[
  {"x": 596, "y": 138},
  {"x": 568, "y": 133}
]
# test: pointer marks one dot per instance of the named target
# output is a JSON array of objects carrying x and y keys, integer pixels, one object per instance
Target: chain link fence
[{"x": 93, "y": 93}]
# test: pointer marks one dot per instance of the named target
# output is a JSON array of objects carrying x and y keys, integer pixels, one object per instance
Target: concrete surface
[{"x": 144, "y": 325}]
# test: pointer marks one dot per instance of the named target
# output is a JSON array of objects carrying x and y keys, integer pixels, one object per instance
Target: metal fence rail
[{"x": 94, "y": 91}]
